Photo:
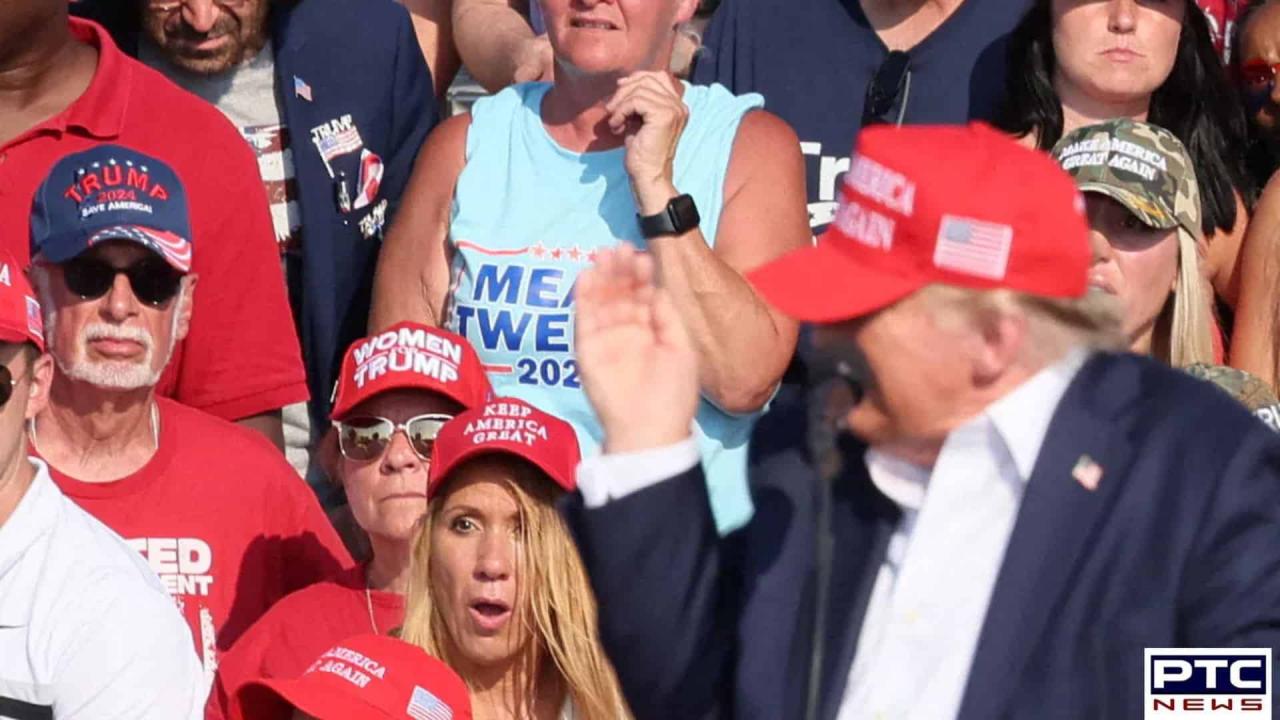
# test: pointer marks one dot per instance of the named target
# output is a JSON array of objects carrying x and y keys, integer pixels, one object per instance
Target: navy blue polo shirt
[{"x": 813, "y": 59}]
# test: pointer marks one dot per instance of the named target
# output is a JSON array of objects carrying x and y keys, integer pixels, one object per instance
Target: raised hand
[
  {"x": 649, "y": 111},
  {"x": 637, "y": 364}
]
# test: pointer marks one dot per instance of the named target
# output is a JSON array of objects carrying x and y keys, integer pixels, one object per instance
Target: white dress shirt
[{"x": 931, "y": 592}]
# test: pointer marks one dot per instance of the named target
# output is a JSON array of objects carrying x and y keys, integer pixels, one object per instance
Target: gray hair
[{"x": 1054, "y": 325}]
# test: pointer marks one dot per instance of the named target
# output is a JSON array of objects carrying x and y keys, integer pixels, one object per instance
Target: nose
[
  {"x": 120, "y": 303},
  {"x": 200, "y": 15},
  {"x": 1100, "y": 246},
  {"x": 1121, "y": 16},
  {"x": 494, "y": 559},
  {"x": 400, "y": 457}
]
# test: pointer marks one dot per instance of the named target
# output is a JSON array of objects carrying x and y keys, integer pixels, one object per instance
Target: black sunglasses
[
  {"x": 7, "y": 383},
  {"x": 891, "y": 83},
  {"x": 153, "y": 280}
]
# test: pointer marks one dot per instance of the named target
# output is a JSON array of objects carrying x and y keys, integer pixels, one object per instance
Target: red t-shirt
[
  {"x": 222, "y": 519},
  {"x": 241, "y": 357},
  {"x": 297, "y": 630},
  {"x": 1222, "y": 16}
]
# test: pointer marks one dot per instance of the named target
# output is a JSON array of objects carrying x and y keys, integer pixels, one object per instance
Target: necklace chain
[{"x": 368, "y": 601}]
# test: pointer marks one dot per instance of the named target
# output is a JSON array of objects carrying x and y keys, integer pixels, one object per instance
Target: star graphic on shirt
[
  {"x": 591, "y": 257},
  {"x": 575, "y": 254},
  {"x": 555, "y": 254},
  {"x": 539, "y": 250}
]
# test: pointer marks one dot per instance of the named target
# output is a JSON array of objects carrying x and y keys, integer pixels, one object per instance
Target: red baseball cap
[
  {"x": 410, "y": 355},
  {"x": 511, "y": 427},
  {"x": 20, "y": 317},
  {"x": 957, "y": 205},
  {"x": 366, "y": 677}
]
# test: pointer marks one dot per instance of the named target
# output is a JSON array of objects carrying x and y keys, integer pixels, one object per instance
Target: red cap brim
[
  {"x": 820, "y": 284},
  {"x": 568, "y": 484},
  {"x": 314, "y": 698}
]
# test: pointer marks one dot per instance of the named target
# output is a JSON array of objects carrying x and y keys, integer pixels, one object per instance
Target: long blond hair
[
  {"x": 553, "y": 596},
  {"x": 1183, "y": 333}
]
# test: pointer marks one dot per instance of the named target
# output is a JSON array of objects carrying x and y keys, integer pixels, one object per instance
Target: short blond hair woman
[{"x": 498, "y": 590}]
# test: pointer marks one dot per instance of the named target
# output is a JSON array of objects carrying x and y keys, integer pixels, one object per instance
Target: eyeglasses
[
  {"x": 1258, "y": 77},
  {"x": 366, "y": 438},
  {"x": 153, "y": 280},
  {"x": 891, "y": 83}
]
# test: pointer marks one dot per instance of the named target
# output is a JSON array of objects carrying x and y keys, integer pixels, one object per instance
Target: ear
[
  {"x": 41, "y": 379},
  {"x": 999, "y": 344},
  {"x": 188, "y": 297}
]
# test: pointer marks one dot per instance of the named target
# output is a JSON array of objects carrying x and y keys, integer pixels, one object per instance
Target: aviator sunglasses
[
  {"x": 367, "y": 437},
  {"x": 153, "y": 280},
  {"x": 891, "y": 83}
]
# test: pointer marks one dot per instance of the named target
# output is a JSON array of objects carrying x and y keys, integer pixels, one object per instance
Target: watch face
[{"x": 685, "y": 212}]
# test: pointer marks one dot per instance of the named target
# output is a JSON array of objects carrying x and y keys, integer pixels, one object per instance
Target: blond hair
[
  {"x": 553, "y": 596},
  {"x": 1183, "y": 333}
]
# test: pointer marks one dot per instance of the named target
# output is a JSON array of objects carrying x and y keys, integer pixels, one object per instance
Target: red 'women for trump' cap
[
  {"x": 955, "y": 205},
  {"x": 414, "y": 356}
]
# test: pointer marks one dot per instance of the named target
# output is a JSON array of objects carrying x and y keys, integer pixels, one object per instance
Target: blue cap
[{"x": 109, "y": 192}]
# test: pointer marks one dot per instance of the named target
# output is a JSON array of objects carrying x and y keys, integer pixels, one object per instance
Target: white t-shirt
[{"x": 86, "y": 629}]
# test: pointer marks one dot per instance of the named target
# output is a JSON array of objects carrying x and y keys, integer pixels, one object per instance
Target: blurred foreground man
[
  {"x": 86, "y": 630},
  {"x": 1020, "y": 514}
]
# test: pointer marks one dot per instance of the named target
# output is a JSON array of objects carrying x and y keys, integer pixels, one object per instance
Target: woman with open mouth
[{"x": 498, "y": 590}]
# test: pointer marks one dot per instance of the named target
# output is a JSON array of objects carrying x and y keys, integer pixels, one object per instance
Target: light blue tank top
[{"x": 529, "y": 215}]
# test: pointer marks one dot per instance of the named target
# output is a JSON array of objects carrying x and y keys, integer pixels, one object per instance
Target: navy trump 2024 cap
[{"x": 110, "y": 192}]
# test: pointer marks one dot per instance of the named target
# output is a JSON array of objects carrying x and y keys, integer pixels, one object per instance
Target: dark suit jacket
[
  {"x": 1179, "y": 546},
  {"x": 357, "y": 58}
]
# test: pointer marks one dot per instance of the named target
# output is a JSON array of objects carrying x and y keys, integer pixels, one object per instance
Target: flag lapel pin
[
  {"x": 1087, "y": 472},
  {"x": 301, "y": 88}
]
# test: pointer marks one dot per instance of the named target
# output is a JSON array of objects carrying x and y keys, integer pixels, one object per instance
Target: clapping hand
[{"x": 637, "y": 363}]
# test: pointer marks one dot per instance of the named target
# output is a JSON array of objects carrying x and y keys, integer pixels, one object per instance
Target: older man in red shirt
[{"x": 64, "y": 87}]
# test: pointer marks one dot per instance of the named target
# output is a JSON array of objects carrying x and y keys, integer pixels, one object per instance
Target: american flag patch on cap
[
  {"x": 35, "y": 320},
  {"x": 973, "y": 247},
  {"x": 425, "y": 706}
]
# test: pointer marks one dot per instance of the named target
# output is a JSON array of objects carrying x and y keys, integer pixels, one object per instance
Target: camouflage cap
[
  {"x": 1141, "y": 166},
  {"x": 1251, "y": 392}
]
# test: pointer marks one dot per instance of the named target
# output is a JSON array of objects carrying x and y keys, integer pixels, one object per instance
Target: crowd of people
[{"x": 742, "y": 358}]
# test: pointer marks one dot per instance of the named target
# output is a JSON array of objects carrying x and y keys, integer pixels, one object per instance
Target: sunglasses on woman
[
  {"x": 7, "y": 383},
  {"x": 153, "y": 280},
  {"x": 368, "y": 437},
  {"x": 890, "y": 84}
]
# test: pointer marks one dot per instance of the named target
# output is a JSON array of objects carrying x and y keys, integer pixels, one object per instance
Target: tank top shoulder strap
[{"x": 501, "y": 114}]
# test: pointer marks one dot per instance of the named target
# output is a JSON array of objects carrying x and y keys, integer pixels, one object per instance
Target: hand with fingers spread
[
  {"x": 638, "y": 367},
  {"x": 649, "y": 111}
]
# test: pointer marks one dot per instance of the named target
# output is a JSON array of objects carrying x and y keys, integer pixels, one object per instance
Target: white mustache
[{"x": 102, "y": 331}]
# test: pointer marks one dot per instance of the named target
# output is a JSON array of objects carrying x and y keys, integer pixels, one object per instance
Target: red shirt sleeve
[{"x": 241, "y": 357}]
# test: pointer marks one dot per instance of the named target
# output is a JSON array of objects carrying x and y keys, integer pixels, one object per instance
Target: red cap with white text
[
  {"x": 366, "y": 677},
  {"x": 413, "y": 356},
  {"x": 954, "y": 205},
  {"x": 511, "y": 427},
  {"x": 20, "y": 317}
]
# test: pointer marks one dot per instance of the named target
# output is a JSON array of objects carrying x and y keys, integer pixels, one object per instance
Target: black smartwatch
[{"x": 679, "y": 217}]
